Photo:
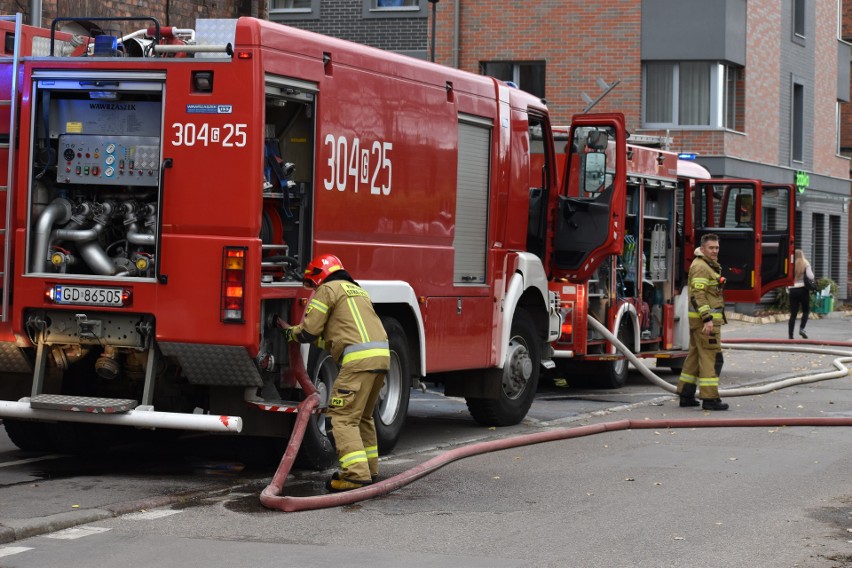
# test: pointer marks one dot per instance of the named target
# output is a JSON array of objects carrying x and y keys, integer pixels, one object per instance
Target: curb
[
  {"x": 19, "y": 529},
  {"x": 774, "y": 318}
]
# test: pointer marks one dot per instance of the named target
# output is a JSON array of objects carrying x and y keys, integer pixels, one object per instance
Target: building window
[
  {"x": 797, "y": 121},
  {"x": 734, "y": 104},
  {"x": 797, "y": 236},
  {"x": 395, "y": 8},
  {"x": 835, "y": 237},
  {"x": 819, "y": 258},
  {"x": 526, "y": 75},
  {"x": 799, "y": 18},
  {"x": 693, "y": 93},
  {"x": 293, "y": 10},
  {"x": 393, "y": 4},
  {"x": 837, "y": 127}
]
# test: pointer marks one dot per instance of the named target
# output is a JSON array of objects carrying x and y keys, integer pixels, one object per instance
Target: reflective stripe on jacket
[
  {"x": 705, "y": 291},
  {"x": 342, "y": 313}
]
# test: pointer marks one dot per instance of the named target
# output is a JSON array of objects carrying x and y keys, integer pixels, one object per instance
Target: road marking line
[
  {"x": 31, "y": 460},
  {"x": 10, "y": 550},
  {"x": 148, "y": 515},
  {"x": 77, "y": 532}
]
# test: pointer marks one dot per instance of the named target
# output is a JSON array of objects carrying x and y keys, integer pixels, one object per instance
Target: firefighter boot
[
  {"x": 374, "y": 477},
  {"x": 338, "y": 484},
  {"x": 714, "y": 404},
  {"x": 687, "y": 395}
]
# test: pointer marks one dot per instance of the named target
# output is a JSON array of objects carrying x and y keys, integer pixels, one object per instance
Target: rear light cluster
[
  {"x": 233, "y": 284},
  {"x": 566, "y": 313}
]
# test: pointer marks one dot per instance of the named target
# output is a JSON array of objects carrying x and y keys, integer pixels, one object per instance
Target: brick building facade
[
  {"x": 179, "y": 13},
  {"x": 756, "y": 88}
]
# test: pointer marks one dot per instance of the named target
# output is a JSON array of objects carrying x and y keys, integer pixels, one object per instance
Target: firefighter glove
[{"x": 288, "y": 334}]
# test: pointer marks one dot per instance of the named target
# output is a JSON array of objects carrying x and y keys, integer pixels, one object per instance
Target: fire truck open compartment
[
  {"x": 288, "y": 180},
  {"x": 95, "y": 181}
]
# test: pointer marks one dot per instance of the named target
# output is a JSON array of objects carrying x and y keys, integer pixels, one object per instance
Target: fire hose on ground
[{"x": 271, "y": 496}]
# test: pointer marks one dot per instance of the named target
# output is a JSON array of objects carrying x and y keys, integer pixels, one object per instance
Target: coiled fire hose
[{"x": 271, "y": 496}]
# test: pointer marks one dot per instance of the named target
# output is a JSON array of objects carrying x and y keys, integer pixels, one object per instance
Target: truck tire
[
  {"x": 613, "y": 374},
  {"x": 317, "y": 450},
  {"x": 392, "y": 406},
  {"x": 520, "y": 376},
  {"x": 29, "y": 436}
]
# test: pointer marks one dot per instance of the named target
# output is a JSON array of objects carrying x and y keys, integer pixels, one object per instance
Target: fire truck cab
[
  {"x": 754, "y": 221},
  {"x": 638, "y": 292}
]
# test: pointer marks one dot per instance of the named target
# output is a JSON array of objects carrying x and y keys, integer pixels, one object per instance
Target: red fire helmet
[{"x": 320, "y": 268}]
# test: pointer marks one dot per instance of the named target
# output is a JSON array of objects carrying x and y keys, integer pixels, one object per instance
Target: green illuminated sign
[{"x": 802, "y": 181}]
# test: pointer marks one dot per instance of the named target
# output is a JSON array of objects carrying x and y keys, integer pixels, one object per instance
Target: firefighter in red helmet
[{"x": 341, "y": 312}]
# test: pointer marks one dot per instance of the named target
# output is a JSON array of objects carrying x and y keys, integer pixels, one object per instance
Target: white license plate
[{"x": 87, "y": 296}]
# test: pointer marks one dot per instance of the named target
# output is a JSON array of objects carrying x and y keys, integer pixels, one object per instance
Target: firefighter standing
[
  {"x": 342, "y": 314},
  {"x": 706, "y": 316}
]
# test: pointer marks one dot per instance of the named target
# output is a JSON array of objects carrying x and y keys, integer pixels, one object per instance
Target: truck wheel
[
  {"x": 613, "y": 374},
  {"x": 30, "y": 436},
  {"x": 392, "y": 406},
  {"x": 317, "y": 450},
  {"x": 519, "y": 378}
]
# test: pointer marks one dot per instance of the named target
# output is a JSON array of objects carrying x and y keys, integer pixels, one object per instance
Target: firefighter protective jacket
[
  {"x": 705, "y": 291},
  {"x": 342, "y": 314}
]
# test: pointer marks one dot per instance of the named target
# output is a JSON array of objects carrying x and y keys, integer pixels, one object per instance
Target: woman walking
[{"x": 800, "y": 294}]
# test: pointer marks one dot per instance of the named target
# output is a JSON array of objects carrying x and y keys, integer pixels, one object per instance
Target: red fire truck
[
  {"x": 163, "y": 201},
  {"x": 636, "y": 293}
]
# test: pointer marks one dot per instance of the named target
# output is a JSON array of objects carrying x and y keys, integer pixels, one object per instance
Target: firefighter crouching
[
  {"x": 706, "y": 316},
  {"x": 342, "y": 314}
]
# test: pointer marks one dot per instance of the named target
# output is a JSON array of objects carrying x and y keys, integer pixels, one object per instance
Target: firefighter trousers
[
  {"x": 350, "y": 408},
  {"x": 699, "y": 368}
]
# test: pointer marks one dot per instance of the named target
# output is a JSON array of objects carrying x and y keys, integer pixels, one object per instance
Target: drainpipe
[
  {"x": 35, "y": 13},
  {"x": 456, "y": 34}
]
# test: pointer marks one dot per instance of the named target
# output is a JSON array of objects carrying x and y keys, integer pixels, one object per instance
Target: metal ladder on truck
[{"x": 9, "y": 68}]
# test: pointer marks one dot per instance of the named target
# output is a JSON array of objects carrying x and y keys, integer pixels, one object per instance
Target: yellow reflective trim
[
  {"x": 716, "y": 316},
  {"x": 358, "y": 355},
  {"x": 372, "y": 451},
  {"x": 689, "y": 379},
  {"x": 318, "y": 305},
  {"x": 358, "y": 456},
  {"x": 702, "y": 280},
  {"x": 708, "y": 382},
  {"x": 359, "y": 321}
]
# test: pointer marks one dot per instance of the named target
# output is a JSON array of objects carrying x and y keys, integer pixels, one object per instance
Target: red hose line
[
  {"x": 779, "y": 341},
  {"x": 271, "y": 498},
  {"x": 304, "y": 411}
]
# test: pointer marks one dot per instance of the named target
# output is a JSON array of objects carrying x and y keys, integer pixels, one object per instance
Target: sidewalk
[{"x": 833, "y": 326}]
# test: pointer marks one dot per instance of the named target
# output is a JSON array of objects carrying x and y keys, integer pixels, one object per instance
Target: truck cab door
[
  {"x": 731, "y": 209},
  {"x": 589, "y": 222},
  {"x": 777, "y": 234}
]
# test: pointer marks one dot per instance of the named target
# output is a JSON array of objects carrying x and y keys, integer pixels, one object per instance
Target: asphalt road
[{"x": 761, "y": 496}]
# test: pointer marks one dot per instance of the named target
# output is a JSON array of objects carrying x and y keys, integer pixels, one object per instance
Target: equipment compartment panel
[{"x": 109, "y": 160}]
